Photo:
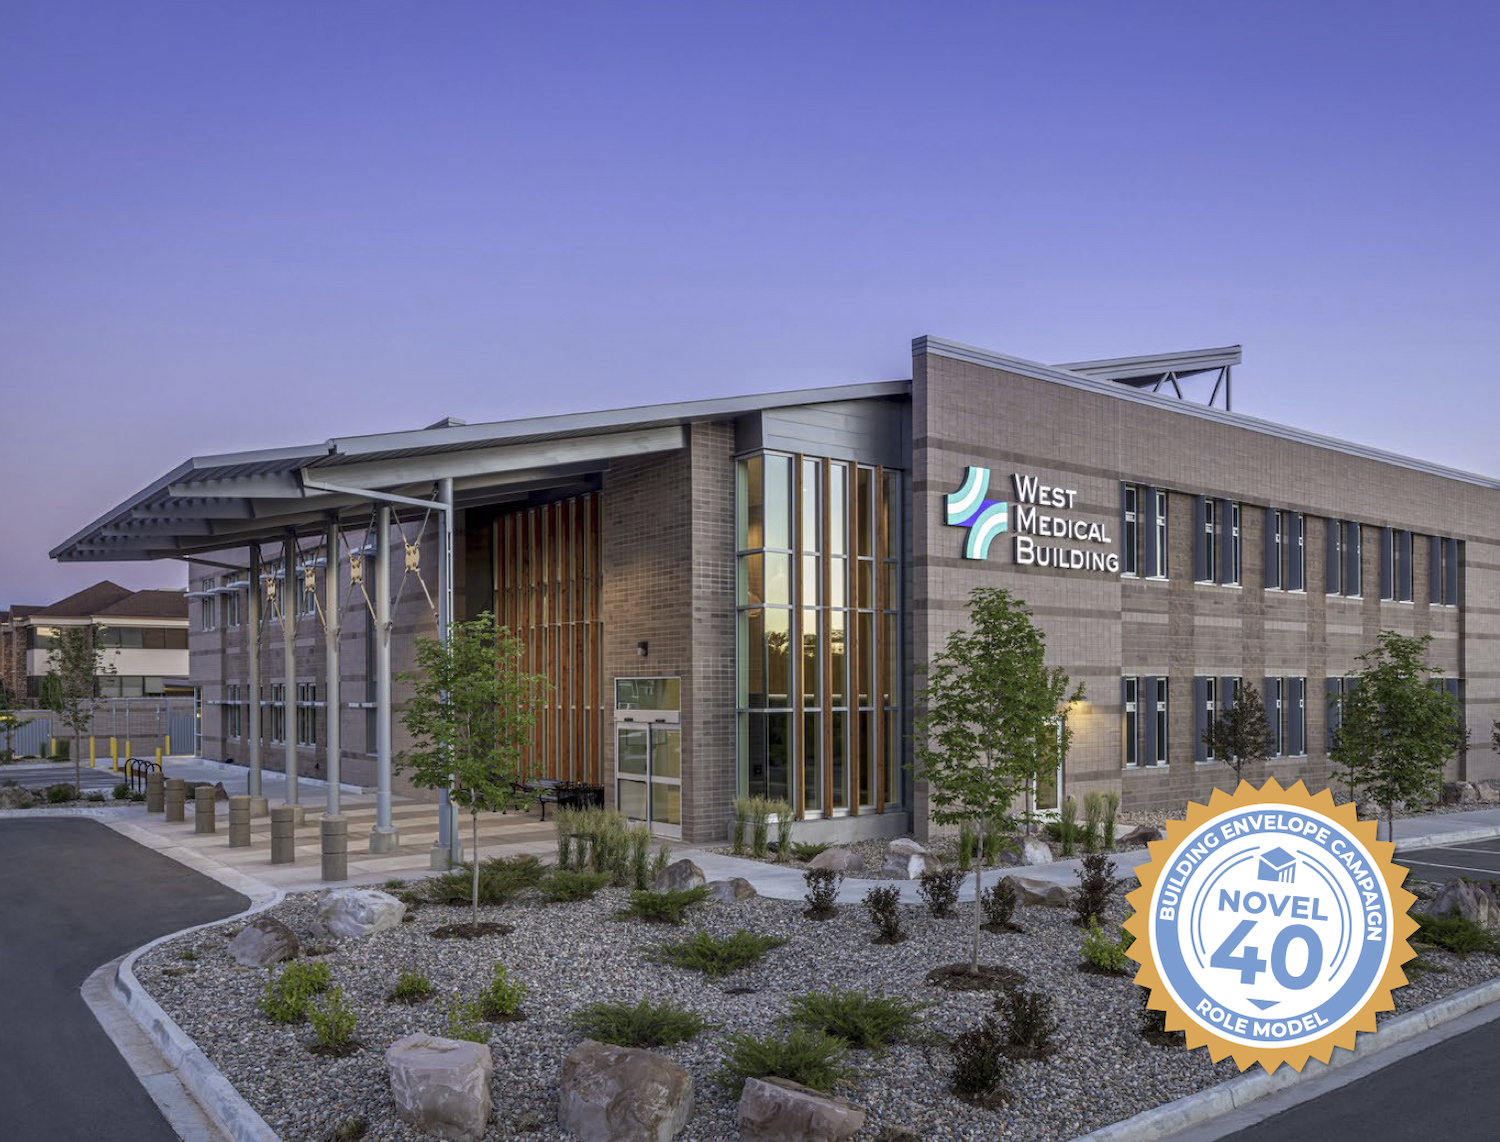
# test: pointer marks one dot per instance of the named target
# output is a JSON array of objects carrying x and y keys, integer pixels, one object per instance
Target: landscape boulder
[
  {"x": 441, "y": 1086},
  {"x": 842, "y": 860},
  {"x": 1473, "y": 902},
  {"x": 263, "y": 942},
  {"x": 1034, "y": 850},
  {"x": 16, "y": 797},
  {"x": 919, "y": 865},
  {"x": 728, "y": 891},
  {"x": 680, "y": 874},
  {"x": 1460, "y": 793},
  {"x": 1140, "y": 835},
  {"x": 622, "y": 1094},
  {"x": 349, "y": 913},
  {"x": 779, "y": 1110},
  {"x": 1488, "y": 791},
  {"x": 1035, "y": 890},
  {"x": 898, "y": 856}
]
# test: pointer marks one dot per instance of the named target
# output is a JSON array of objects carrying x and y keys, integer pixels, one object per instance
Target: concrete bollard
[
  {"x": 154, "y": 793},
  {"x": 176, "y": 799},
  {"x": 260, "y": 807},
  {"x": 335, "y": 834},
  {"x": 284, "y": 834},
  {"x": 203, "y": 809},
  {"x": 239, "y": 821}
]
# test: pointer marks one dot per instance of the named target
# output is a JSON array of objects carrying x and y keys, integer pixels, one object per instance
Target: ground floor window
[
  {"x": 278, "y": 711},
  {"x": 233, "y": 712},
  {"x": 307, "y": 713}
]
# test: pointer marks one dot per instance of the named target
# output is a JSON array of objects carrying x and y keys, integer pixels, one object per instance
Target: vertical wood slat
[
  {"x": 798, "y": 759},
  {"x": 878, "y": 546},
  {"x": 852, "y": 647},
  {"x": 825, "y": 635}
]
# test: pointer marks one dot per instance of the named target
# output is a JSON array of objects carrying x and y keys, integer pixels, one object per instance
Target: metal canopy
[{"x": 215, "y": 502}]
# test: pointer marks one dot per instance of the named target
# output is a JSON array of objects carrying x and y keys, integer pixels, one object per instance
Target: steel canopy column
[
  {"x": 290, "y": 600},
  {"x": 449, "y": 848},
  {"x": 334, "y": 830},
  {"x": 383, "y": 837},
  {"x": 258, "y": 805}
]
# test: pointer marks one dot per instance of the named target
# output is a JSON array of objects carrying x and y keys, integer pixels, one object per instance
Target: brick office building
[{"x": 731, "y": 595}]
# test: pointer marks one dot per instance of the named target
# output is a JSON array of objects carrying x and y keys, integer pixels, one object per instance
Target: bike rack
[{"x": 136, "y": 771}]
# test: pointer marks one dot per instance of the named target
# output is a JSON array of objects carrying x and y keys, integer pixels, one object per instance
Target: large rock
[
  {"x": 1140, "y": 835},
  {"x": 1034, "y": 850},
  {"x": 679, "y": 874},
  {"x": 846, "y": 861},
  {"x": 905, "y": 845},
  {"x": 1035, "y": 890},
  {"x": 898, "y": 857},
  {"x": 1472, "y": 901},
  {"x": 919, "y": 865},
  {"x": 263, "y": 942},
  {"x": 16, "y": 797},
  {"x": 349, "y": 913},
  {"x": 441, "y": 1086},
  {"x": 622, "y": 1094},
  {"x": 779, "y": 1110},
  {"x": 728, "y": 891},
  {"x": 1460, "y": 793},
  {"x": 1488, "y": 791}
]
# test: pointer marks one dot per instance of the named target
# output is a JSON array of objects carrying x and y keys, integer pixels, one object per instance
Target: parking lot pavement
[
  {"x": 40, "y": 774},
  {"x": 1478, "y": 860}
]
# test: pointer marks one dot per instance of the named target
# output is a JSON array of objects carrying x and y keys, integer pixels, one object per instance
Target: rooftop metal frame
[{"x": 1153, "y": 373}]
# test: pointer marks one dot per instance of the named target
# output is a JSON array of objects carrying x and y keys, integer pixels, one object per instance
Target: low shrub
[
  {"x": 333, "y": 1022},
  {"x": 500, "y": 879},
  {"x": 860, "y": 1019},
  {"x": 1096, "y": 888},
  {"x": 979, "y": 1063},
  {"x": 394, "y": 885},
  {"x": 717, "y": 956},
  {"x": 121, "y": 791},
  {"x": 808, "y": 850},
  {"x": 1104, "y": 953},
  {"x": 812, "y": 1058},
  {"x": 1028, "y": 1022},
  {"x": 1454, "y": 932},
  {"x": 663, "y": 907},
  {"x": 411, "y": 987},
  {"x": 883, "y": 906},
  {"x": 350, "y": 1130},
  {"x": 563, "y": 886},
  {"x": 645, "y": 1025},
  {"x": 939, "y": 889},
  {"x": 501, "y": 999},
  {"x": 999, "y": 902},
  {"x": 822, "y": 895},
  {"x": 289, "y": 991},
  {"x": 58, "y": 794},
  {"x": 465, "y": 1022}
]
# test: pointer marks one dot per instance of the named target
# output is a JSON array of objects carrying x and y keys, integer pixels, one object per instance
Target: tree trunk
[
  {"x": 77, "y": 766},
  {"x": 474, "y": 816},
  {"x": 1390, "y": 821},
  {"x": 978, "y": 900}
]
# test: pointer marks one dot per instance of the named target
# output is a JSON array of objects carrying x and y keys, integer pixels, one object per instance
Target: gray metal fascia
[
  {"x": 937, "y": 347},
  {"x": 437, "y": 439},
  {"x": 1184, "y": 363}
]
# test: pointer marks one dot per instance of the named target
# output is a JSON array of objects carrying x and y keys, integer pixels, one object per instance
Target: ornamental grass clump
[
  {"x": 640, "y": 856},
  {"x": 782, "y": 810},
  {"x": 883, "y": 905},
  {"x": 812, "y": 1058},
  {"x": 1096, "y": 888},
  {"x": 1111, "y": 807},
  {"x": 968, "y": 845},
  {"x": 1093, "y": 817},
  {"x": 717, "y": 956},
  {"x": 289, "y": 991},
  {"x": 1067, "y": 825},
  {"x": 646, "y": 1025},
  {"x": 860, "y": 1019},
  {"x": 760, "y": 826},
  {"x": 822, "y": 895},
  {"x": 939, "y": 889},
  {"x": 565, "y": 886},
  {"x": 741, "y": 820},
  {"x": 661, "y": 860},
  {"x": 807, "y": 851}
]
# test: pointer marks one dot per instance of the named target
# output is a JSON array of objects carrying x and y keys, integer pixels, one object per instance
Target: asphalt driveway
[
  {"x": 1477, "y": 860},
  {"x": 73, "y": 895}
]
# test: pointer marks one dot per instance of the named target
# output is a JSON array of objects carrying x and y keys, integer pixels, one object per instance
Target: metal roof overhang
[{"x": 216, "y": 502}]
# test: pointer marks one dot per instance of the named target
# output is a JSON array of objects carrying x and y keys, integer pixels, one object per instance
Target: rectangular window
[
  {"x": 1130, "y": 691},
  {"x": 1130, "y": 507},
  {"x": 307, "y": 713},
  {"x": 1403, "y": 566},
  {"x": 1278, "y": 552},
  {"x": 1158, "y": 538},
  {"x": 207, "y": 605},
  {"x": 1388, "y": 571},
  {"x": 1206, "y": 698},
  {"x": 1296, "y": 554},
  {"x": 1294, "y": 690},
  {"x": 232, "y": 724},
  {"x": 232, "y": 609},
  {"x": 1333, "y": 563},
  {"x": 278, "y": 712},
  {"x": 1161, "y": 722},
  {"x": 1236, "y": 568},
  {"x": 1210, "y": 542},
  {"x": 1274, "y": 715}
]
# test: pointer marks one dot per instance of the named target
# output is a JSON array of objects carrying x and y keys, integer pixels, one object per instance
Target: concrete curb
[
  {"x": 1206, "y": 1105},
  {"x": 1442, "y": 840}
]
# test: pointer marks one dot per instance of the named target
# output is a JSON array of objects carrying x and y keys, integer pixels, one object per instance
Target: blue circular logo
[{"x": 1271, "y": 926}]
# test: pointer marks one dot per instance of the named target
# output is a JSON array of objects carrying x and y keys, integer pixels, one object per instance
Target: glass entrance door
[{"x": 648, "y": 783}]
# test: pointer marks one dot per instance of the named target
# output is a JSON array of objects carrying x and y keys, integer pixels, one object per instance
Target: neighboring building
[
  {"x": 144, "y": 632},
  {"x": 731, "y": 596}
]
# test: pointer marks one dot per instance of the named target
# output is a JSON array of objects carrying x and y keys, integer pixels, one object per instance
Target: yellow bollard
[
  {"x": 114, "y": 754},
  {"x": 168, "y": 749},
  {"x": 158, "y": 758},
  {"x": 91, "y": 752},
  {"x": 127, "y": 749}
]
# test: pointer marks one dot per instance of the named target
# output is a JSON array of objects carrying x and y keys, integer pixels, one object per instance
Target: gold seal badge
[{"x": 1271, "y": 925}]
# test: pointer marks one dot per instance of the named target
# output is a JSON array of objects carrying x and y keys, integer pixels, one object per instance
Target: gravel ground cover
[
  {"x": 872, "y": 852},
  {"x": 572, "y": 954}
]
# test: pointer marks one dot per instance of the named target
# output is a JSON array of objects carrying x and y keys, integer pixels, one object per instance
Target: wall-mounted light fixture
[{"x": 640, "y": 649}]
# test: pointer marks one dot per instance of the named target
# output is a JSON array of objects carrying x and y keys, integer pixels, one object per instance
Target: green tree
[
  {"x": 1242, "y": 733},
  {"x": 71, "y": 686},
  {"x": 992, "y": 721},
  {"x": 9, "y": 724},
  {"x": 470, "y": 717},
  {"x": 1397, "y": 731}
]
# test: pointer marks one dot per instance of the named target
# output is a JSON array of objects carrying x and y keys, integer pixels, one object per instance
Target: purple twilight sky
[{"x": 238, "y": 225}]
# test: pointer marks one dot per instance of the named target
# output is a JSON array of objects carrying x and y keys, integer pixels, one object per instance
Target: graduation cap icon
[{"x": 1277, "y": 865}]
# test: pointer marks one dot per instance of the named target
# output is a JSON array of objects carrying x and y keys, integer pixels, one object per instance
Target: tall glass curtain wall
[
  {"x": 547, "y": 580},
  {"x": 818, "y": 647}
]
